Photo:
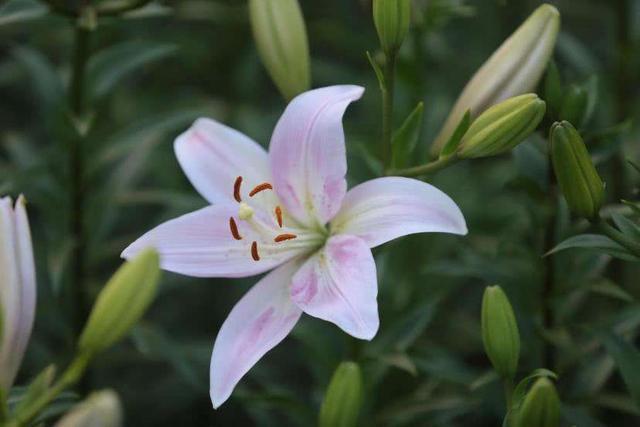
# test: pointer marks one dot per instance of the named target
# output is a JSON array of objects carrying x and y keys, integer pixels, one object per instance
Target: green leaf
[
  {"x": 452, "y": 144},
  {"x": 37, "y": 388},
  {"x": 597, "y": 242},
  {"x": 108, "y": 67},
  {"x": 626, "y": 226},
  {"x": 627, "y": 358},
  {"x": 406, "y": 137},
  {"x": 21, "y": 11},
  {"x": 45, "y": 82},
  {"x": 611, "y": 289},
  {"x": 377, "y": 69}
]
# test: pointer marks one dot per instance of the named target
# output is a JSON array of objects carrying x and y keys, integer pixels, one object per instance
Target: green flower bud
[
  {"x": 500, "y": 332},
  {"x": 281, "y": 38},
  {"x": 515, "y": 68},
  {"x": 122, "y": 302},
  {"x": 574, "y": 105},
  {"x": 391, "y": 19},
  {"x": 100, "y": 409},
  {"x": 541, "y": 406},
  {"x": 341, "y": 405},
  {"x": 502, "y": 126},
  {"x": 577, "y": 177}
]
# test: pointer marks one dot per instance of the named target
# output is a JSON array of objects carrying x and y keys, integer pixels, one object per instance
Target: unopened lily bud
[
  {"x": 341, "y": 405},
  {"x": 17, "y": 288},
  {"x": 500, "y": 334},
  {"x": 515, "y": 68},
  {"x": 502, "y": 126},
  {"x": 281, "y": 37},
  {"x": 391, "y": 19},
  {"x": 100, "y": 409},
  {"x": 574, "y": 105},
  {"x": 122, "y": 302},
  {"x": 541, "y": 406},
  {"x": 577, "y": 177}
]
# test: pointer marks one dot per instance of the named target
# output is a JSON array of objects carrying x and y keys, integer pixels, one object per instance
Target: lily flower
[
  {"x": 289, "y": 209},
  {"x": 17, "y": 288}
]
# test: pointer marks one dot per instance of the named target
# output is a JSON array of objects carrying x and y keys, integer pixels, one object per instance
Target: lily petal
[
  {"x": 213, "y": 155},
  {"x": 308, "y": 156},
  {"x": 257, "y": 323},
  {"x": 386, "y": 208},
  {"x": 17, "y": 288},
  {"x": 201, "y": 244},
  {"x": 339, "y": 284}
]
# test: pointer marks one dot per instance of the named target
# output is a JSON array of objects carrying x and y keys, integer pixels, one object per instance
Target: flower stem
[
  {"x": 548, "y": 286},
  {"x": 68, "y": 378},
  {"x": 427, "y": 168},
  {"x": 387, "y": 107}
]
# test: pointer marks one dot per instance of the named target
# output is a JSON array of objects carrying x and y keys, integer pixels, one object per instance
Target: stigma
[{"x": 245, "y": 212}]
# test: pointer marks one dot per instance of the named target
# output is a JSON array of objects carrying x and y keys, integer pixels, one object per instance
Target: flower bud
[
  {"x": 122, "y": 302},
  {"x": 500, "y": 332},
  {"x": 541, "y": 406},
  {"x": 577, "y": 177},
  {"x": 100, "y": 409},
  {"x": 341, "y": 405},
  {"x": 17, "y": 288},
  {"x": 502, "y": 127},
  {"x": 515, "y": 68},
  {"x": 391, "y": 19},
  {"x": 281, "y": 38}
]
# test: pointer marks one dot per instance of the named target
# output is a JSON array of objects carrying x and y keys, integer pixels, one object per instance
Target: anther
[
  {"x": 254, "y": 251},
  {"x": 234, "y": 229},
  {"x": 279, "y": 215},
  {"x": 236, "y": 189},
  {"x": 260, "y": 187},
  {"x": 282, "y": 237}
]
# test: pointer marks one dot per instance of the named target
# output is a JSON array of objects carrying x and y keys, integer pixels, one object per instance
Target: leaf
[
  {"x": 626, "y": 226},
  {"x": 46, "y": 84},
  {"x": 21, "y": 11},
  {"x": 406, "y": 137},
  {"x": 401, "y": 361},
  {"x": 377, "y": 69},
  {"x": 456, "y": 138},
  {"x": 108, "y": 67},
  {"x": 591, "y": 87},
  {"x": 611, "y": 289},
  {"x": 595, "y": 241},
  {"x": 627, "y": 358},
  {"x": 37, "y": 388}
]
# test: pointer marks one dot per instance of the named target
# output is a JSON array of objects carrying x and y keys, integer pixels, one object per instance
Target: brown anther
[
  {"x": 254, "y": 251},
  {"x": 279, "y": 215},
  {"x": 282, "y": 237},
  {"x": 234, "y": 229},
  {"x": 236, "y": 189},
  {"x": 260, "y": 187}
]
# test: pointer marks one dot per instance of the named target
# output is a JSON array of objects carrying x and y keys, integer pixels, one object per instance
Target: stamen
[
  {"x": 254, "y": 251},
  {"x": 260, "y": 187},
  {"x": 234, "y": 229},
  {"x": 279, "y": 215},
  {"x": 282, "y": 237},
  {"x": 236, "y": 189}
]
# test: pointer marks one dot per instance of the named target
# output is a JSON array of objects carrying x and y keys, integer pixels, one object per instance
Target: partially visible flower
[
  {"x": 515, "y": 68},
  {"x": 272, "y": 210},
  {"x": 17, "y": 287},
  {"x": 100, "y": 409}
]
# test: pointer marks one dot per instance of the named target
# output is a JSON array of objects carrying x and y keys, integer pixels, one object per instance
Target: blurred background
[{"x": 154, "y": 71}]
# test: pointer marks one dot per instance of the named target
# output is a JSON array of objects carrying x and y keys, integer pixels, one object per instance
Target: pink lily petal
[
  {"x": 17, "y": 287},
  {"x": 339, "y": 284},
  {"x": 257, "y": 323},
  {"x": 201, "y": 244},
  {"x": 213, "y": 155},
  {"x": 386, "y": 208},
  {"x": 307, "y": 153}
]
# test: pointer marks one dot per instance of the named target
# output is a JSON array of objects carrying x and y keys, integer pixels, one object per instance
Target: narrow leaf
[
  {"x": 627, "y": 358},
  {"x": 21, "y": 11},
  {"x": 597, "y": 242},
  {"x": 452, "y": 144},
  {"x": 406, "y": 137},
  {"x": 377, "y": 69}
]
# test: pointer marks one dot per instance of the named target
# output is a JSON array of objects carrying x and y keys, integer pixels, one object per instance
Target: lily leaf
[
  {"x": 452, "y": 144},
  {"x": 21, "y": 11},
  {"x": 627, "y": 358},
  {"x": 406, "y": 137},
  {"x": 597, "y": 242}
]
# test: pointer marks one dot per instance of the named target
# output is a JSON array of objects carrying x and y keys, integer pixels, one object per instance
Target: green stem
[
  {"x": 548, "y": 286},
  {"x": 387, "y": 108},
  {"x": 508, "y": 393},
  {"x": 69, "y": 378},
  {"x": 427, "y": 168},
  {"x": 4, "y": 411}
]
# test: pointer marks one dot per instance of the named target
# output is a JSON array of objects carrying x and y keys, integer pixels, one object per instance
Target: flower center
[{"x": 272, "y": 238}]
